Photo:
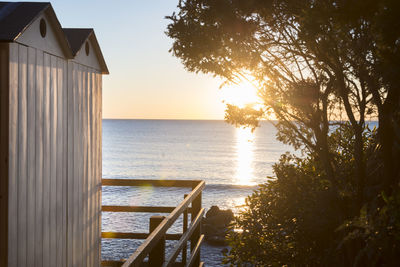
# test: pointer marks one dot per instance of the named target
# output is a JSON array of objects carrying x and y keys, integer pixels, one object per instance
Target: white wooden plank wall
[
  {"x": 13, "y": 159},
  {"x": 70, "y": 165},
  {"x": 4, "y": 145},
  {"x": 98, "y": 160},
  {"x": 39, "y": 159},
  {"x": 54, "y": 161},
  {"x": 46, "y": 160},
  {"x": 65, "y": 163},
  {"x": 31, "y": 138},
  {"x": 84, "y": 182},
  {"x": 36, "y": 159},
  {"x": 22, "y": 152}
]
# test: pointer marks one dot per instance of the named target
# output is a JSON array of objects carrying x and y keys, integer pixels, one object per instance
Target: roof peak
[
  {"x": 15, "y": 17},
  {"x": 77, "y": 37}
]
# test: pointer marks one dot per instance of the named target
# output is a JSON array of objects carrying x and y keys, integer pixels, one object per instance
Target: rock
[
  {"x": 215, "y": 225},
  {"x": 214, "y": 210},
  {"x": 218, "y": 217}
]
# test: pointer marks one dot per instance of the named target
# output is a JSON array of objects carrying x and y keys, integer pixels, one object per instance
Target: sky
[{"x": 145, "y": 80}]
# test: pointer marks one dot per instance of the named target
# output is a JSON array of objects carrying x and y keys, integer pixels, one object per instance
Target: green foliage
[
  {"x": 377, "y": 229},
  {"x": 323, "y": 69},
  {"x": 287, "y": 221},
  {"x": 300, "y": 218}
]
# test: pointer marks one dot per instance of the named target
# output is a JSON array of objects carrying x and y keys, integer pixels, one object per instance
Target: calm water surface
[{"x": 231, "y": 161}]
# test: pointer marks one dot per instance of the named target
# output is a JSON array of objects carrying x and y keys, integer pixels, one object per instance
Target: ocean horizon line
[
  {"x": 128, "y": 119},
  {"x": 140, "y": 119}
]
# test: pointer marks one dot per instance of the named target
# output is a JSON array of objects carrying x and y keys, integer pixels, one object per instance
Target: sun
[{"x": 241, "y": 94}]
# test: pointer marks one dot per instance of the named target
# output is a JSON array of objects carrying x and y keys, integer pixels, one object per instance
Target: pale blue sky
[{"x": 145, "y": 80}]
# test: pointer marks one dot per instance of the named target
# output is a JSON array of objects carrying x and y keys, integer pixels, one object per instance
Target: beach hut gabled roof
[
  {"x": 77, "y": 37},
  {"x": 16, "y": 17}
]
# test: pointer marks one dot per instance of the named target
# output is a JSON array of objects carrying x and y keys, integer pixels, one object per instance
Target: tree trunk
[
  {"x": 360, "y": 163},
  {"x": 387, "y": 137}
]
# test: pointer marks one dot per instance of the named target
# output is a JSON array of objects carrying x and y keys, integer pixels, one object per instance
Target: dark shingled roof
[
  {"x": 15, "y": 17},
  {"x": 76, "y": 38}
]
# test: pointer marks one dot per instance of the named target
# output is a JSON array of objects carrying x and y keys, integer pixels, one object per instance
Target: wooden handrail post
[
  {"x": 196, "y": 207},
  {"x": 157, "y": 255},
  {"x": 154, "y": 245},
  {"x": 185, "y": 225}
]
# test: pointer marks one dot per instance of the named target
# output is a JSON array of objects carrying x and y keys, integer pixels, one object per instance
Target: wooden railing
[{"x": 154, "y": 245}]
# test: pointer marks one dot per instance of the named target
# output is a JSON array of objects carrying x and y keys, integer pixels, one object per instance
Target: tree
[
  {"x": 315, "y": 62},
  {"x": 319, "y": 65}
]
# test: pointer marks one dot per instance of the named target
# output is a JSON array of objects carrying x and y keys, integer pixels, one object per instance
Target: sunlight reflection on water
[
  {"x": 245, "y": 154},
  {"x": 239, "y": 204}
]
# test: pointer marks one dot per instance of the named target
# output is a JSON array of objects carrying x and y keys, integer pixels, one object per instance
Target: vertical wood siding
[
  {"x": 46, "y": 160},
  {"x": 84, "y": 182},
  {"x": 31, "y": 146},
  {"x": 4, "y": 139},
  {"x": 22, "y": 152},
  {"x": 13, "y": 158},
  {"x": 98, "y": 160},
  {"x": 54, "y": 167},
  {"x": 39, "y": 159}
]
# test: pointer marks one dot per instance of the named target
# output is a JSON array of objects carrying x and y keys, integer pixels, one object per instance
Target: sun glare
[{"x": 240, "y": 94}]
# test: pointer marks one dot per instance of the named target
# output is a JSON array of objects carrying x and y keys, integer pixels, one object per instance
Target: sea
[{"x": 232, "y": 162}]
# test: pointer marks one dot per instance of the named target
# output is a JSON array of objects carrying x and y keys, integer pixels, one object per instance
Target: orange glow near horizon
[{"x": 202, "y": 100}]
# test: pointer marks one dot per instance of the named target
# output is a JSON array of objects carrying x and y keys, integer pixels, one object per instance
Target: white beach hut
[{"x": 50, "y": 139}]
